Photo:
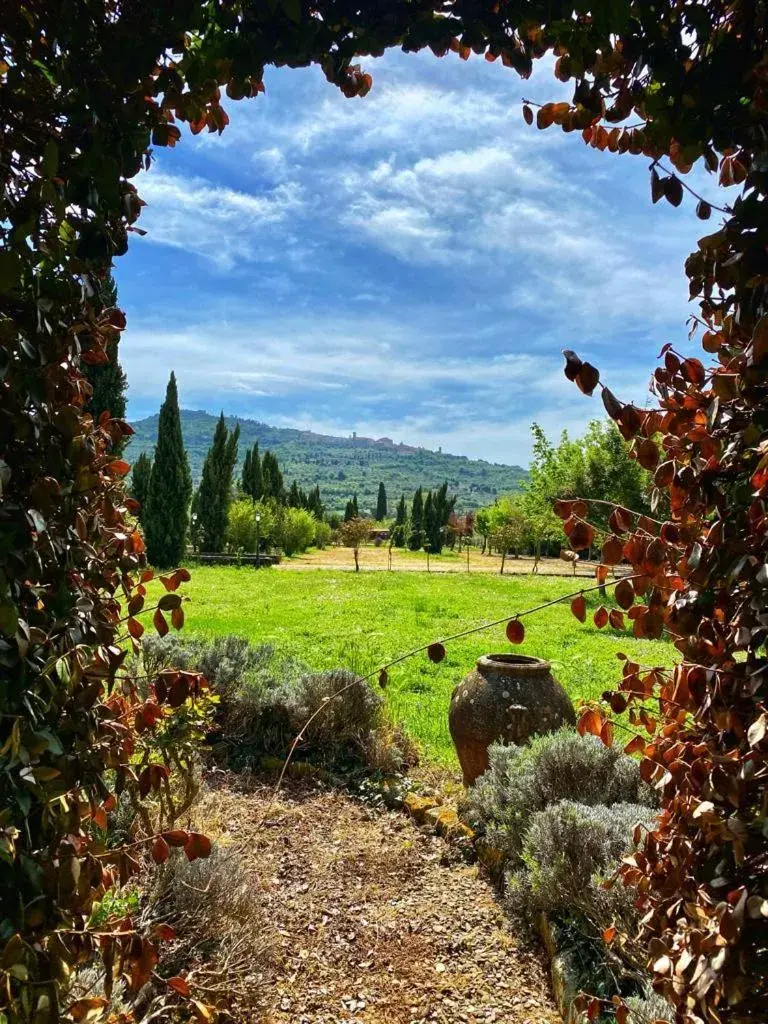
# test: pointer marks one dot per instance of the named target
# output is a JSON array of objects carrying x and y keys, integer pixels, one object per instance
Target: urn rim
[{"x": 513, "y": 664}]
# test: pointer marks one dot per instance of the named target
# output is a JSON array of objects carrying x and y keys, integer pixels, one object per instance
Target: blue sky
[{"x": 410, "y": 264}]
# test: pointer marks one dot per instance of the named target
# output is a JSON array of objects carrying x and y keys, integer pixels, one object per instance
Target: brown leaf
[
  {"x": 612, "y": 405},
  {"x": 609, "y": 934},
  {"x": 161, "y": 851},
  {"x": 562, "y": 509},
  {"x": 760, "y": 340},
  {"x": 527, "y": 114},
  {"x": 657, "y": 186},
  {"x": 179, "y": 984},
  {"x": 197, "y": 845},
  {"x": 703, "y": 210},
  {"x": 573, "y": 364},
  {"x": 515, "y": 631},
  {"x": 581, "y": 535},
  {"x": 383, "y": 678},
  {"x": 625, "y": 594},
  {"x": 587, "y": 378},
  {"x": 673, "y": 190},
  {"x": 436, "y": 652},
  {"x": 590, "y": 722},
  {"x": 158, "y": 620},
  {"x": 647, "y": 453},
  {"x": 177, "y": 617},
  {"x": 83, "y": 1011},
  {"x": 176, "y": 837},
  {"x": 616, "y": 619},
  {"x": 612, "y": 551},
  {"x": 620, "y": 520},
  {"x": 135, "y": 628},
  {"x": 600, "y": 618},
  {"x": 579, "y": 608},
  {"x": 636, "y": 744}
]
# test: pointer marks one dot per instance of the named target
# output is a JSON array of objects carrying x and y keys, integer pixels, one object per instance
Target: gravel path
[{"x": 370, "y": 919}]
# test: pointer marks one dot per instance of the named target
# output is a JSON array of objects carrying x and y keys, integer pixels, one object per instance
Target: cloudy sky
[{"x": 410, "y": 264}]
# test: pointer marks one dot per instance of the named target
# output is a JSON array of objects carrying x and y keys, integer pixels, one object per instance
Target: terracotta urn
[{"x": 506, "y": 698}]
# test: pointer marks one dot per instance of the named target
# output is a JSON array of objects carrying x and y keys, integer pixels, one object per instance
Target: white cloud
[{"x": 216, "y": 222}]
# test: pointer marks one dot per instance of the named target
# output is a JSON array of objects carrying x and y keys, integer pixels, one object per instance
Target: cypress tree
[
  {"x": 296, "y": 498},
  {"x": 314, "y": 503},
  {"x": 245, "y": 476},
  {"x": 108, "y": 380},
  {"x": 351, "y": 511},
  {"x": 381, "y": 503},
  {"x": 140, "y": 476},
  {"x": 170, "y": 488},
  {"x": 432, "y": 531},
  {"x": 252, "y": 475},
  {"x": 215, "y": 491},
  {"x": 416, "y": 535},
  {"x": 257, "y": 478},
  {"x": 272, "y": 478},
  {"x": 401, "y": 520}
]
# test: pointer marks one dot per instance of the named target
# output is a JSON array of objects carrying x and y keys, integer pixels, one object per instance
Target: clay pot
[{"x": 507, "y": 698}]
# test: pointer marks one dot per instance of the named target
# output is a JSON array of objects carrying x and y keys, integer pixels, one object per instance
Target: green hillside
[{"x": 344, "y": 465}]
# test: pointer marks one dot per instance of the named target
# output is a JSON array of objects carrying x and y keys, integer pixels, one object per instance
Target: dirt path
[
  {"x": 373, "y": 559},
  {"x": 371, "y": 920}
]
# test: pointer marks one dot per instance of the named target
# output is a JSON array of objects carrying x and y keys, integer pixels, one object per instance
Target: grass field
[{"x": 332, "y": 619}]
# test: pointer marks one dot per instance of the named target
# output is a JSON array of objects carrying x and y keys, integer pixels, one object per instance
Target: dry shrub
[
  {"x": 267, "y": 700},
  {"x": 221, "y": 930}
]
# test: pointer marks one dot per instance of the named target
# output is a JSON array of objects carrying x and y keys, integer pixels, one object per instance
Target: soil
[{"x": 370, "y": 919}]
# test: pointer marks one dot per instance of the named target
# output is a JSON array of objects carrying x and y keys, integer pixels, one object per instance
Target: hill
[{"x": 344, "y": 465}]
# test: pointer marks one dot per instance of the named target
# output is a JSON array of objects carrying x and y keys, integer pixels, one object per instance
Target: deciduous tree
[{"x": 355, "y": 532}]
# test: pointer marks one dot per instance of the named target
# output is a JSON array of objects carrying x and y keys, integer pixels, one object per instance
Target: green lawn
[{"x": 332, "y": 619}]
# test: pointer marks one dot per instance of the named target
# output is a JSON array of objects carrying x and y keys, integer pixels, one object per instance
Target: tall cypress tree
[
  {"x": 296, "y": 497},
  {"x": 108, "y": 380},
  {"x": 432, "y": 533},
  {"x": 251, "y": 480},
  {"x": 314, "y": 503},
  {"x": 351, "y": 511},
  {"x": 140, "y": 477},
  {"x": 245, "y": 476},
  {"x": 170, "y": 488},
  {"x": 272, "y": 478},
  {"x": 401, "y": 520},
  {"x": 215, "y": 491},
  {"x": 416, "y": 535},
  {"x": 257, "y": 477},
  {"x": 381, "y": 503}
]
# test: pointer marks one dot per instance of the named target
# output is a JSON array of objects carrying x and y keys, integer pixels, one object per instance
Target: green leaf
[
  {"x": 11, "y": 268},
  {"x": 50, "y": 159}
]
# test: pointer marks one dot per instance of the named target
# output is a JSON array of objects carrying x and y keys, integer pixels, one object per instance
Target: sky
[{"x": 408, "y": 265}]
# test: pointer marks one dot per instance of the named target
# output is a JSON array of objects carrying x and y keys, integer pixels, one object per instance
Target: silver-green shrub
[
  {"x": 557, "y": 766},
  {"x": 568, "y": 850}
]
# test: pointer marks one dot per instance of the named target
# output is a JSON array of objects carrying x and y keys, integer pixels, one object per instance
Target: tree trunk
[
  {"x": 357, "y": 562},
  {"x": 503, "y": 560}
]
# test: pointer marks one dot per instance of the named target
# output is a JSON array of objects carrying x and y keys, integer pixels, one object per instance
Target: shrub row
[{"x": 563, "y": 811}]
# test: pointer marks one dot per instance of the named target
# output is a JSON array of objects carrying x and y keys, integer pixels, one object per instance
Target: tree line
[{"x": 245, "y": 514}]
